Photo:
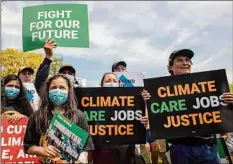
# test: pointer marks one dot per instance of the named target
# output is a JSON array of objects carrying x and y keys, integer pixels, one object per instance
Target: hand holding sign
[
  {"x": 144, "y": 120},
  {"x": 227, "y": 98},
  {"x": 49, "y": 151},
  {"x": 146, "y": 95}
]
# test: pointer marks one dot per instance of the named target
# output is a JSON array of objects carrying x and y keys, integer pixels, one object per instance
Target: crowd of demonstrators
[
  {"x": 14, "y": 102},
  {"x": 58, "y": 97}
]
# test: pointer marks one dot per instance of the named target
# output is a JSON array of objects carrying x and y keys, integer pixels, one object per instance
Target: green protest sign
[
  {"x": 67, "y": 137},
  {"x": 66, "y": 24}
]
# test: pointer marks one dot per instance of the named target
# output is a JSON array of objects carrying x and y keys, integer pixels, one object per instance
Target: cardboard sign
[
  {"x": 66, "y": 24},
  {"x": 113, "y": 114},
  {"x": 32, "y": 95},
  {"x": 189, "y": 105},
  {"x": 130, "y": 79},
  {"x": 12, "y": 137},
  {"x": 67, "y": 137}
]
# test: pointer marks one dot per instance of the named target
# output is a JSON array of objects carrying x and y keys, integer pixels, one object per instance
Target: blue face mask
[
  {"x": 58, "y": 97},
  {"x": 71, "y": 78},
  {"x": 11, "y": 92}
]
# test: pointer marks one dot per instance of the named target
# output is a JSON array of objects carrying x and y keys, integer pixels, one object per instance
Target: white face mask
[
  {"x": 110, "y": 85},
  {"x": 71, "y": 78}
]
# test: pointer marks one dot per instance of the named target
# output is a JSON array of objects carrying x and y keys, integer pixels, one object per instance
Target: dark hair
[
  {"x": 21, "y": 102},
  {"x": 170, "y": 63},
  {"x": 44, "y": 114},
  {"x": 102, "y": 80}
]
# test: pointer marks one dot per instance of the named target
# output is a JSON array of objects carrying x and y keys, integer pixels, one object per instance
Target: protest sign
[
  {"x": 66, "y": 24},
  {"x": 113, "y": 114},
  {"x": 130, "y": 79},
  {"x": 32, "y": 95},
  {"x": 12, "y": 137},
  {"x": 189, "y": 105},
  {"x": 67, "y": 137}
]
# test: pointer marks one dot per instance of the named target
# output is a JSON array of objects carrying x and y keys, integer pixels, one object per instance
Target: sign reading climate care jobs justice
[
  {"x": 66, "y": 24},
  {"x": 189, "y": 105},
  {"x": 12, "y": 143},
  {"x": 113, "y": 114}
]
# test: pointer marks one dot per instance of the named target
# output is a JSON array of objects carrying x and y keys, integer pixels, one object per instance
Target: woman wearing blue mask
[
  {"x": 58, "y": 96},
  {"x": 14, "y": 102}
]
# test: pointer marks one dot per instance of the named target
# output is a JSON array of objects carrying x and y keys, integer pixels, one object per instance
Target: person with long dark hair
[
  {"x": 56, "y": 96},
  {"x": 14, "y": 102}
]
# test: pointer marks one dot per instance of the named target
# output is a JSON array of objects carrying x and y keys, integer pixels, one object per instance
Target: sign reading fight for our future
[
  {"x": 12, "y": 137},
  {"x": 130, "y": 79},
  {"x": 66, "y": 24},
  {"x": 189, "y": 105},
  {"x": 113, "y": 114},
  {"x": 67, "y": 137}
]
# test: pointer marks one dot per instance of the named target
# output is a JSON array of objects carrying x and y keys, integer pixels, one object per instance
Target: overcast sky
[{"x": 141, "y": 33}]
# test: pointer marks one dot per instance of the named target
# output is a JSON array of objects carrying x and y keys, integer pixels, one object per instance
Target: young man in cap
[
  {"x": 26, "y": 74},
  {"x": 69, "y": 71},
  {"x": 198, "y": 149},
  {"x": 119, "y": 66}
]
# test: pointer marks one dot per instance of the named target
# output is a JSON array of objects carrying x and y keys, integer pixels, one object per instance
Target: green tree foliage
[
  {"x": 56, "y": 64},
  {"x": 12, "y": 60},
  {"x": 231, "y": 87}
]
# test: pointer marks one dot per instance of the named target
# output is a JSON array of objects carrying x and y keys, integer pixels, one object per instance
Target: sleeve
[
  {"x": 84, "y": 125},
  {"x": 31, "y": 137},
  {"x": 42, "y": 74}
]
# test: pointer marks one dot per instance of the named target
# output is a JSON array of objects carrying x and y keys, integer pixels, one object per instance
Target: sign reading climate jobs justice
[
  {"x": 66, "y": 24},
  {"x": 113, "y": 114},
  {"x": 189, "y": 105}
]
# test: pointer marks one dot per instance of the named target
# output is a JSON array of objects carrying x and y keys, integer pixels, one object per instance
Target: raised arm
[{"x": 44, "y": 69}]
